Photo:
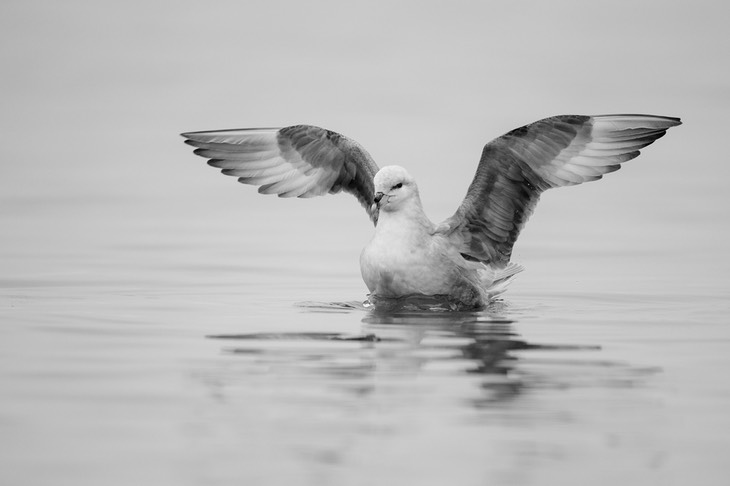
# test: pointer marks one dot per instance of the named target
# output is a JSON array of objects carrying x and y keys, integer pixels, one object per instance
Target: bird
[{"x": 465, "y": 259}]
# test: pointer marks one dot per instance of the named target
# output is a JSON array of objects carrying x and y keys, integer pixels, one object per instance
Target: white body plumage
[{"x": 408, "y": 256}]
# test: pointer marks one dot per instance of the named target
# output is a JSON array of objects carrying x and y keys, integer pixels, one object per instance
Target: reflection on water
[
  {"x": 440, "y": 397},
  {"x": 426, "y": 345}
]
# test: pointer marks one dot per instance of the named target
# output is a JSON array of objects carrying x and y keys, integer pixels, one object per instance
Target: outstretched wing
[
  {"x": 516, "y": 167},
  {"x": 296, "y": 161}
]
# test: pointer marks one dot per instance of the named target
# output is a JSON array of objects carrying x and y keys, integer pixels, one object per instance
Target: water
[
  {"x": 198, "y": 357},
  {"x": 161, "y": 324}
]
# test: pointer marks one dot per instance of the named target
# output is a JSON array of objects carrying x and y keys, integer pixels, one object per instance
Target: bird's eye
[{"x": 397, "y": 186}]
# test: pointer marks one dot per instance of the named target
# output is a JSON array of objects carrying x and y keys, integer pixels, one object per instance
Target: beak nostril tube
[{"x": 378, "y": 197}]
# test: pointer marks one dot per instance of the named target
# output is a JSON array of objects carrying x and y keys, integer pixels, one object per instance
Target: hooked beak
[{"x": 378, "y": 197}]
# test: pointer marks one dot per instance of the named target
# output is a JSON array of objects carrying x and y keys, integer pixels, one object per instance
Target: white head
[{"x": 394, "y": 188}]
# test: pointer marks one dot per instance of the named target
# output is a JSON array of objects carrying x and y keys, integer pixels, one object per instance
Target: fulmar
[{"x": 466, "y": 258}]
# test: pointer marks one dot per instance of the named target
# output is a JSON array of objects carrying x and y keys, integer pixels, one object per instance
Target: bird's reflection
[
  {"x": 403, "y": 379},
  {"x": 485, "y": 342},
  {"x": 398, "y": 345}
]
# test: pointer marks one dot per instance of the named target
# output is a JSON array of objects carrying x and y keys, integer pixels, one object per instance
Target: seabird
[{"x": 466, "y": 258}]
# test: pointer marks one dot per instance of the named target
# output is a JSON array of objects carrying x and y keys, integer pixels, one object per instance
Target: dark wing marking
[
  {"x": 296, "y": 161},
  {"x": 516, "y": 167}
]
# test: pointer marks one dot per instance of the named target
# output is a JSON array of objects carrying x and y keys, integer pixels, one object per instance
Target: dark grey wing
[
  {"x": 296, "y": 161},
  {"x": 516, "y": 167}
]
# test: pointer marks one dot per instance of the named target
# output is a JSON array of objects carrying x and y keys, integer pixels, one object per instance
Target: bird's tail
[{"x": 501, "y": 279}]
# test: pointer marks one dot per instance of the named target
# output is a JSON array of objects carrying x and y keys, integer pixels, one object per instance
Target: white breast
[{"x": 404, "y": 258}]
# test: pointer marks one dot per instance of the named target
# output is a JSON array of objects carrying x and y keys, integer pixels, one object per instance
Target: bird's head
[{"x": 394, "y": 188}]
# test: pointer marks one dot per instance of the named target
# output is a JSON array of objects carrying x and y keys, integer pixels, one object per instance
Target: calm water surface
[{"x": 173, "y": 347}]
